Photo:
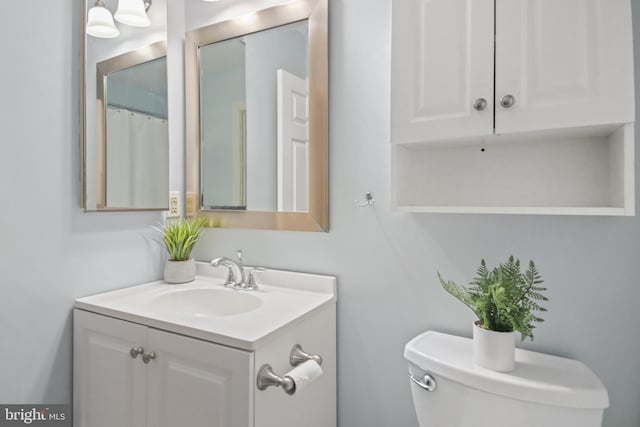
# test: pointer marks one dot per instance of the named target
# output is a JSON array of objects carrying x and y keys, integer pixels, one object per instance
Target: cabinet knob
[
  {"x": 134, "y": 352},
  {"x": 508, "y": 101},
  {"x": 147, "y": 357},
  {"x": 480, "y": 104}
]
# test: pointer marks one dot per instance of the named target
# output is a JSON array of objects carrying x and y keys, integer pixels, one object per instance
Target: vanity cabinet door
[
  {"x": 442, "y": 69},
  {"x": 109, "y": 385},
  {"x": 565, "y": 63},
  {"x": 198, "y": 384}
]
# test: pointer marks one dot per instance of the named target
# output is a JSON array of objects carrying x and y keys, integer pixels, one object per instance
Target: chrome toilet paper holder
[
  {"x": 267, "y": 378},
  {"x": 298, "y": 356}
]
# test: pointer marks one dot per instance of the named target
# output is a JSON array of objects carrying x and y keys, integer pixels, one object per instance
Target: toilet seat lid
[{"x": 537, "y": 378}]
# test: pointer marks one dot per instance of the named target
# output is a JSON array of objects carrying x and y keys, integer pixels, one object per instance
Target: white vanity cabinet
[
  {"x": 109, "y": 386},
  {"x": 513, "y": 106},
  {"x": 158, "y": 355},
  {"x": 188, "y": 382},
  {"x": 197, "y": 383}
]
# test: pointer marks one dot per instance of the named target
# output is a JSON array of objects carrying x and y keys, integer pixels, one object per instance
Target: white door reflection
[{"x": 293, "y": 142}]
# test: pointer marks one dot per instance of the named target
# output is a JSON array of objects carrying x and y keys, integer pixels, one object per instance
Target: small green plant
[
  {"x": 504, "y": 299},
  {"x": 180, "y": 236}
]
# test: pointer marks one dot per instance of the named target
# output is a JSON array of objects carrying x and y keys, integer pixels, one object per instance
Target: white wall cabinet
[
  {"x": 442, "y": 64},
  {"x": 513, "y": 106},
  {"x": 567, "y": 63}
]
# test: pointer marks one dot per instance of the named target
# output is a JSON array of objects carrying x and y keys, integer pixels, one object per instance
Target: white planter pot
[
  {"x": 494, "y": 350},
  {"x": 176, "y": 272}
]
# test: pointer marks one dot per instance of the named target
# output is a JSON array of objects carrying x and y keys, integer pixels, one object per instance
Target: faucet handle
[
  {"x": 251, "y": 281},
  {"x": 239, "y": 255}
]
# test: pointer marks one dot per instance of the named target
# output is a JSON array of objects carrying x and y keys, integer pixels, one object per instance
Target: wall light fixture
[{"x": 100, "y": 22}]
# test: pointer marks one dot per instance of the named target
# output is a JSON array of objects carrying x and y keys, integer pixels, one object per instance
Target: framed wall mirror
[
  {"x": 125, "y": 138},
  {"x": 257, "y": 120}
]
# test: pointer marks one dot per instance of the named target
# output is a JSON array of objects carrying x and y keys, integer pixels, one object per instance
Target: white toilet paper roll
[{"x": 305, "y": 373}]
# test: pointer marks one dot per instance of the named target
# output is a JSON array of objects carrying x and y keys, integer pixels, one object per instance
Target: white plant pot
[
  {"x": 176, "y": 272},
  {"x": 494, "y": 350}
]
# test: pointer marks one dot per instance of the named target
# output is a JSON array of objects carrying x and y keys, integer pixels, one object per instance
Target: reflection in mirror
[
  {"x": 255, "y": 127},
  {"x": 256, "y": 115},
  {"x": 224, "y": 125},
  {"x": 133, "y": 149},
  {"x": 125, "y": 139}
]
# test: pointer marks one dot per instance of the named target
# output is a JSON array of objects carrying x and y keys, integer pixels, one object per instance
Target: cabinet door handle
[
  {"x": 480, "y": 104},
  {"x": 147, "y": 357},
  {"x": 135, "y": 351},
  {"x": 508, "y": 101}
]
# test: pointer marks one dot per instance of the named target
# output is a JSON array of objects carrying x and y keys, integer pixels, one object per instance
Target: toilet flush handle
[{"x": 427, "y": 382}]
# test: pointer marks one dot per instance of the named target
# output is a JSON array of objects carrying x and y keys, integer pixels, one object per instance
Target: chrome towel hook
[{"x": 369, "y": 201}]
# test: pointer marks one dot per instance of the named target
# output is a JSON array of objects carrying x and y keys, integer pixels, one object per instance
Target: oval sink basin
[{"x": 205, "y": 303}]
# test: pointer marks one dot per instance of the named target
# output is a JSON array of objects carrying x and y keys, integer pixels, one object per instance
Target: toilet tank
[{"x": 542, "y": 391}]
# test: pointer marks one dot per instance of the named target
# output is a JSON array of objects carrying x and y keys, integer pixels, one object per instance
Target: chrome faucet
[{"x": 236, "y": 277}]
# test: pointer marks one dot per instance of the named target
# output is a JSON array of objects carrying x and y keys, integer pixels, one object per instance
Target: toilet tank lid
[{"x": 537, "y": 378}]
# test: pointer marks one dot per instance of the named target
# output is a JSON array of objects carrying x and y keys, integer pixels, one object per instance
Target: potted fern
[
  {"x": 179, "y": 238},
  {"x": 505, "y": 300}
]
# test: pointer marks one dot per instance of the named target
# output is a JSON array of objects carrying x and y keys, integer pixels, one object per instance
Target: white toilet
[{"x": 542, "y": 391}]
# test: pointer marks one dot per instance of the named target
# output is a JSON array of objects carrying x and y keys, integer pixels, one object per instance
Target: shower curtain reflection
[{"x": 137, "y": 159}]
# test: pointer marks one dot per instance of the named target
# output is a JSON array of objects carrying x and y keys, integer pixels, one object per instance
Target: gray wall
[
  {"x": 386, "y": 262},
  {"x": 51, "y": 252}
]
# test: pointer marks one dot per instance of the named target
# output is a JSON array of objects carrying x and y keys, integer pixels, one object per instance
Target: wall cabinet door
[
  {"x": 198, "y": 384},
  {"x": 442, "y": 63},
  {"x": 566, "y": 64},
  {"x": 109, "y": 385}
]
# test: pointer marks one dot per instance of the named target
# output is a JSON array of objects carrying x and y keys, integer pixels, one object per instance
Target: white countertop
[{"x": 283, "y": 298}]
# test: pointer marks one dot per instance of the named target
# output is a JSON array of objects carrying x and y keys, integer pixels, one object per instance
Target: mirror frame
[
  {"x": 126, "y": 60},
  {"x": 317, "y": 218}
]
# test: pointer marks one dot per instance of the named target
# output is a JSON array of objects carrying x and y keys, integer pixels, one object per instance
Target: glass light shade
[
  {"x": 100, "y": 23},
  {"x": 132, "y": 12}
]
